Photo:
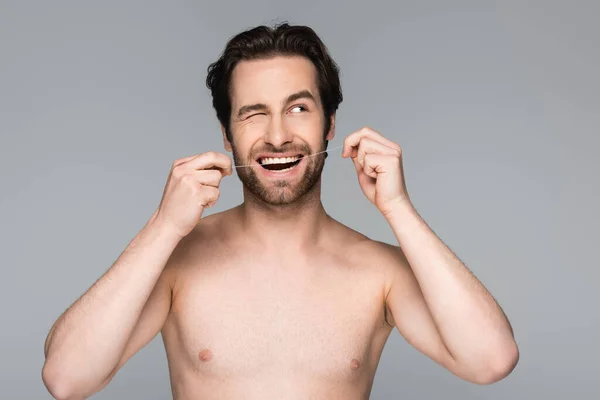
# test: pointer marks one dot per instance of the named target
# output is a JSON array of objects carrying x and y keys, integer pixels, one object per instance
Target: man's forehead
[{"x": 273, "y": 80}]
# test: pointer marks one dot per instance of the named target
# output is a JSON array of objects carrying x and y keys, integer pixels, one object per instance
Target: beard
[{"x": 281, "y": 192}]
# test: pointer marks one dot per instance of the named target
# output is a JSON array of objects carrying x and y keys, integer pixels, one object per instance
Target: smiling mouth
[{"x": 279, "y": 164}]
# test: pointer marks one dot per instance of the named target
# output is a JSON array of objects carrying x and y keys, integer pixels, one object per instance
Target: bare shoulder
[
  {"x": 364, "y": 248},
  {"x": 205, "y": 242},
  {"x": 385, "y": 258}
]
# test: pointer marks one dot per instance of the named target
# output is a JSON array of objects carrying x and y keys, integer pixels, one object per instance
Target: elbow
[
  {"x": 59, "y": 387},
  {"x": 64, "y": 387},
  {"x": 498, "y": 366}
]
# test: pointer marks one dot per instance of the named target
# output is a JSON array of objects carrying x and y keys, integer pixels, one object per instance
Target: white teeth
[
  {"x": 285, "y": 169},
  {"x": 284, "y": 160}
]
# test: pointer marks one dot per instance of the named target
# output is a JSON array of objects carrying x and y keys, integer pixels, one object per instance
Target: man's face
[{"x": 277, "y": 120}]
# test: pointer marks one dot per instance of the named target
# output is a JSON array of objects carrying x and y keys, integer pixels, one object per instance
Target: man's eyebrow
[{"x": 303, "y": 94}]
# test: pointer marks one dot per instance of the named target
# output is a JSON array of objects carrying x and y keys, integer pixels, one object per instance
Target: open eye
[{"x": 298, "y": 109}]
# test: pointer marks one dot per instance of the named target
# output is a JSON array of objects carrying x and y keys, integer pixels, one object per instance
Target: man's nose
[{"x": 277, "y": 133}]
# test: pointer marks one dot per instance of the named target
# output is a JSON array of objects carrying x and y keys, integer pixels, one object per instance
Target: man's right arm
[
  {"x": 123, "y": 311},
  {"x": 128, "y": 305}
]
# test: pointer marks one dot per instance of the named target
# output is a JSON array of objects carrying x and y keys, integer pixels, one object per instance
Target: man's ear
[
  {"x": 226, "y": 142},
  {"x": 331, "y": 134}
]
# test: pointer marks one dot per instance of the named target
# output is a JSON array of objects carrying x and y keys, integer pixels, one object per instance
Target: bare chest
[{"x": 245, "y": 320}]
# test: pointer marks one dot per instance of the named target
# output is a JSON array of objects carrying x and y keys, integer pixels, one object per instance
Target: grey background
[{"x": 496, "y": 105}]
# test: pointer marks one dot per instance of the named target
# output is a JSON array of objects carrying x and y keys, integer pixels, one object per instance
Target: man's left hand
[{"x": 378, "y": 163}]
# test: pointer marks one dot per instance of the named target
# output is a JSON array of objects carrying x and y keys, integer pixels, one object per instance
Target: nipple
[
  {"x": 354, "y": 364},
  {"x": 205, "y": 355}
]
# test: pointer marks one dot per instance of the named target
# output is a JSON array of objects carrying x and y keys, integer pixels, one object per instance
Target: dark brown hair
[{"x": 265, "y": 42}]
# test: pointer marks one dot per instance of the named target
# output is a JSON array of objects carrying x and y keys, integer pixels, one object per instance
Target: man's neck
[{"x": 291, "y": 227}]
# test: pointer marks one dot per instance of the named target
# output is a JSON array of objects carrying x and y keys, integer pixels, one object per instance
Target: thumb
[
  {"x": 363, "y": 178},
  {"x": 356, "y": 164}
]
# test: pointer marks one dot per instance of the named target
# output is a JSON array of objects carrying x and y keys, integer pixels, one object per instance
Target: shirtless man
[{"x": 274, "y": 299}]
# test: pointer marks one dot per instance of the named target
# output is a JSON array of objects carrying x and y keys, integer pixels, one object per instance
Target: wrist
[
  {"x": 163, "y": 229},
  {"x": 398, "y": 209}
]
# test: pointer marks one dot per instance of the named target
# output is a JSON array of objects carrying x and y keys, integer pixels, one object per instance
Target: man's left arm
[
  {"x": 474, "y": 329},
  {"x": 455, "y": 312}
]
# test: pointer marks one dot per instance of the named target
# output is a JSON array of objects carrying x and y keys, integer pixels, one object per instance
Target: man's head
[{"x": 276, "y": 92}]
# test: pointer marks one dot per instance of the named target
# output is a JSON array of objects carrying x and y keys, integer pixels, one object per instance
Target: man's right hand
[{"x": 192, "y": 185}]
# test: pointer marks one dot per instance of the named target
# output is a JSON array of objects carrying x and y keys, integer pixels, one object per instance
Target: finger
[
  {"x": 370, "y": 146},
  {"x": 371, "y": 165},
  {"x": 209, "y": 177},
  {"x": 209, "y": 196},
  {"x": 363, "y": 178},
  {"x": 375, "y": 164},
  {"x": 211, "y": 159},
  {"x": 354, "y": 139},
  {"x": 182, "y": 160}
]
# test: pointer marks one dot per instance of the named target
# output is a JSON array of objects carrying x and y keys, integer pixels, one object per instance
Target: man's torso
[{"x": 247, "y": 322}]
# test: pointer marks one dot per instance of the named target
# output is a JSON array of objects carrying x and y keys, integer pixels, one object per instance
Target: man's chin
[
  {"x": 283, "y": 191},
  {"x": 278, "y": 195}
]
